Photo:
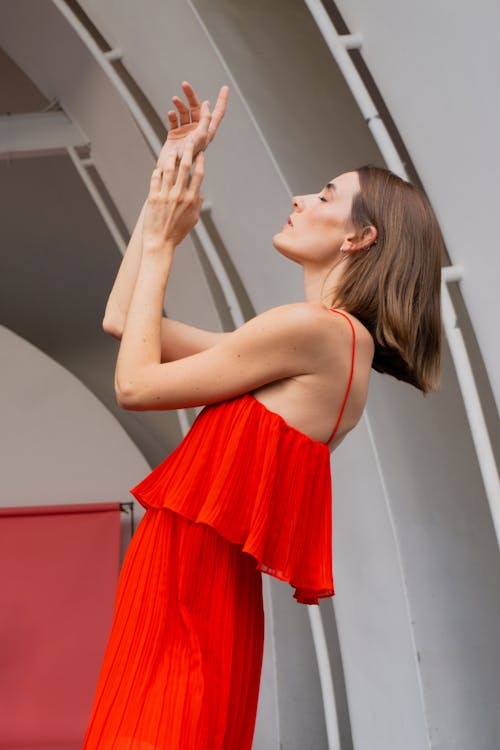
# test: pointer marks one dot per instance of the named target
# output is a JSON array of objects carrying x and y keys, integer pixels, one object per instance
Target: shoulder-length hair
[{"x": 393, "y": 287}]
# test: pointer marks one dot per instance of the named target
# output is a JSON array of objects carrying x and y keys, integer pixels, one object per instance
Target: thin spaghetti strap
[{"x": 351, "y": 374}]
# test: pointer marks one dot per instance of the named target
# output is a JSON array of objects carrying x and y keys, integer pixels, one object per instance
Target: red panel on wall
[{"x": 59, "y": 568}]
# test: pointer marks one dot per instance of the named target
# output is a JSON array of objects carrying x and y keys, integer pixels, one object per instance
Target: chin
[{"x": 283, "y": 248}]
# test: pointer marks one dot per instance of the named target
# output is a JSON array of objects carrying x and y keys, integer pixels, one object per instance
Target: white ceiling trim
[{"x": 33, "y": 133}]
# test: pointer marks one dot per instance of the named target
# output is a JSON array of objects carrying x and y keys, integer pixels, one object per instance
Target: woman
[{"x": 249, "y": 488}]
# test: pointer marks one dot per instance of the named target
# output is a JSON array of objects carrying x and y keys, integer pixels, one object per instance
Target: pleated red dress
[{"x": 243, "y": 493}]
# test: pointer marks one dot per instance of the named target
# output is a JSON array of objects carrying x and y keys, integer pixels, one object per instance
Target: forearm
[
  {"x": 177, "y": 339},
  {"x": 121, "y": 294},
  {"x": 171, "y": 210},
  {"x": 140, "y": 343},
  {"x": 181, "y": 340}
]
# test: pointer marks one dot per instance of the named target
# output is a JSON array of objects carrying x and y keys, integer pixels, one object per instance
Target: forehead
[{"x": 346, "y": 183}]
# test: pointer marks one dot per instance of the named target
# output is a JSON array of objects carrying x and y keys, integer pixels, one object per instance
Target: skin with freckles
[{"x": 294, "y": 358}]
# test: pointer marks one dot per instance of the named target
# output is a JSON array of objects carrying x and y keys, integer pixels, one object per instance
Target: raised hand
[
  {"x": 194, "y": 122},
  {"x": 174, "y": 201}
]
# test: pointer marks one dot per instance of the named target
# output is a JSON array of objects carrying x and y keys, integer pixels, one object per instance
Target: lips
[{"x": 290, "y": 221}]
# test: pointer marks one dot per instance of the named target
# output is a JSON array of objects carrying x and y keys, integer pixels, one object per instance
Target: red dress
[{"x": 244, "y": 492}]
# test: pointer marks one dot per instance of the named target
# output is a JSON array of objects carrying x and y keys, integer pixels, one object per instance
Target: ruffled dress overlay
[{"x": 243, "y": 493}]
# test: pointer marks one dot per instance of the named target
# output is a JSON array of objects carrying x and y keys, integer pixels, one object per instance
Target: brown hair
[{"x": 393, "y": 287}]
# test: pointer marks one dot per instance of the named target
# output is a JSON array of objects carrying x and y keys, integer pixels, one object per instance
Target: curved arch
[
  {"x": 64, "y": 444},
  {"x": 253, "y": 281}
]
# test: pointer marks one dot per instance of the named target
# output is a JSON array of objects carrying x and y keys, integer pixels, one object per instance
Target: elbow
[
  {"x": 123, "y": 402},
  {"x": 127, "y": 401},
  {"x": 112, "y": 327},
  {"x": 133, "y": 391},
  {"x": 125, "y": 396}
]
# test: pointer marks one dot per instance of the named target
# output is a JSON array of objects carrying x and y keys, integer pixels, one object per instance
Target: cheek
[{"x": 323, "y": 238}]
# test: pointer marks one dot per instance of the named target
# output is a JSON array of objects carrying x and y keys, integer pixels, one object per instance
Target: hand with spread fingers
[
  {"x": 174, "y": 201},
  {"x": 195, "y": 122}
]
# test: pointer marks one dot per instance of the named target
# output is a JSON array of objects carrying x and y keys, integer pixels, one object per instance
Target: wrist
[{"x": 153, "y": 249}]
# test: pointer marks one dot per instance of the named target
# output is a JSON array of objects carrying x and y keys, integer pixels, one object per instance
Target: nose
[{"x": 297, "y": 202}]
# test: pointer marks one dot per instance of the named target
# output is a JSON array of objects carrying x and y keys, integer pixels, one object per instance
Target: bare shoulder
[
  {"x": 314, "y": 319},
  {"x": 298, "y": 316},
  {"x": 314, "y": 330},
  {"x": 301, "y": 324},
  {"x": 292, "y": 311},
  {"x": 338, "y": 325}
]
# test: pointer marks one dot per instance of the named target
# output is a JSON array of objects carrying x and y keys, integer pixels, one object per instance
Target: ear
[{"x": 359, "y": 240}]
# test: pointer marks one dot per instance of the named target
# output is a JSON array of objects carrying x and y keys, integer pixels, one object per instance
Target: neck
[{"x": 320, "y": 282}]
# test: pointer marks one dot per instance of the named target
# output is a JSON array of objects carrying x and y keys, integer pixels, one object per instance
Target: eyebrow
[{"x": 332, "y": 186}]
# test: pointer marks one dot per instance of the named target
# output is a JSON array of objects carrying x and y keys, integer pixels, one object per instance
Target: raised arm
[
  {"x": 178, "y": 340},
  {"x": 282, "y": 342},
  {"x": 119, "y": 299}
]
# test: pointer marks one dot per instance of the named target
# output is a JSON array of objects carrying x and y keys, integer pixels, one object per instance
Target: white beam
[
  {"x": 351, "y": 41},
  {"x": 21, "y": 135},
  {"x": 80, "y": 166},
  {"x": 325, "y": 677},
  {"x": 113, "y": 54},
  {"x": 105, "y": 60}
]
